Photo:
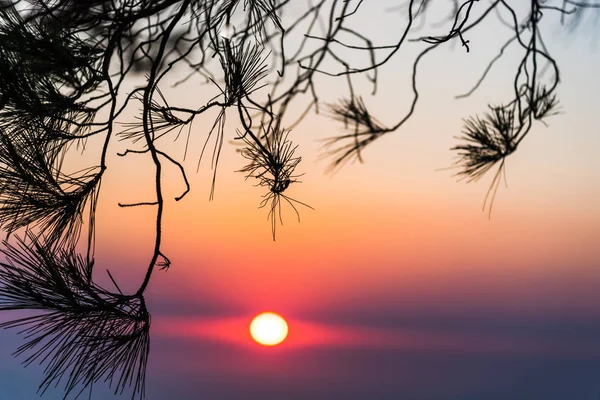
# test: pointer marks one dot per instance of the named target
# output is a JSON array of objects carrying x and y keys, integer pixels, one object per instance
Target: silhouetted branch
[
  {"x": 83, "y": 334},
  {"x": 273, "y": 165},
  {"x": 64, "y": 66}
]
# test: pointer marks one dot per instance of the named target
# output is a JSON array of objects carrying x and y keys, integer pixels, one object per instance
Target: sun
[{"x": 268, "y": 329}]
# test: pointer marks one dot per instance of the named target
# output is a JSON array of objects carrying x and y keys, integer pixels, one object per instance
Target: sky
[{"x": 396, "y": 285}]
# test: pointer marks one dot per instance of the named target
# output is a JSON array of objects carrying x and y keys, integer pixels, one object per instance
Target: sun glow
[{"x": 268, "y": 329}]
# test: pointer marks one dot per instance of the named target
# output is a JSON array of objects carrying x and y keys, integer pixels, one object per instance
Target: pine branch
[{"x": 82, "y": 334}]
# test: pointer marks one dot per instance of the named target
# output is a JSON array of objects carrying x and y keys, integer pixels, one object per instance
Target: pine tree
[{"x": 63, "y": 65}]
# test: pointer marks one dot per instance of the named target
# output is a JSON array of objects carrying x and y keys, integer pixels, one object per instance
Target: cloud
[{"x": 532, "y": 340}]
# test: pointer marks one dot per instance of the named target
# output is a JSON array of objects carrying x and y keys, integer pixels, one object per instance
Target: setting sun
[{"x": 268, "y": 329}]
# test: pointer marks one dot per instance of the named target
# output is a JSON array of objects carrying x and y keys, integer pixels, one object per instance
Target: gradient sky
[{"x": 397, "y": 286}]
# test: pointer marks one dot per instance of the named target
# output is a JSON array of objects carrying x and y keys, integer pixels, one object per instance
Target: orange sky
[{"x": 393, "y": 244}]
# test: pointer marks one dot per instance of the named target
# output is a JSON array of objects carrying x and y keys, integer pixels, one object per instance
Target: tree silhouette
[{"x": 63, "y": 65}]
